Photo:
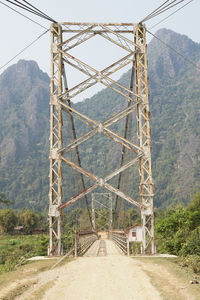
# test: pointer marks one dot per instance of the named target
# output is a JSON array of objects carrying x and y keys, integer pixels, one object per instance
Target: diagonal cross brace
[
  {"x": 100, "y": 182},
  {"x": 101, "y": 128},
  {"x": 98, "y": 76}
]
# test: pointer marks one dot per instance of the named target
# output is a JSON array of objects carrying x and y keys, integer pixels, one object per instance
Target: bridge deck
[{"x": 103, "y": 248}]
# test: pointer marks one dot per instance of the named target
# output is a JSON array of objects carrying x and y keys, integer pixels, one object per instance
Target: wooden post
[
  {"x": 75, "y": 245},
  {"x": 128, "y": 249}
]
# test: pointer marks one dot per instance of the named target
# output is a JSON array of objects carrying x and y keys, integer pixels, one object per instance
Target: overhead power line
[
  {"x": 171, "y": 14},
  {"x": 23, "y": 15},
  {"x": 25, "y": 48},
  {"x": 175, "y": 51}
]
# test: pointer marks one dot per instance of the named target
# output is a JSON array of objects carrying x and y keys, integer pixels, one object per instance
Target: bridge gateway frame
[
  {"x": 101, "y": 196},
  {"x": 137, "y": 97}
]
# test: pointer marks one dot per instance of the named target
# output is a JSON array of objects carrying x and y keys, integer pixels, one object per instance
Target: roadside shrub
[
  {"x": 192, "y": 244},
  {"x": 135, "y": 248},
  {"x": 191, "y": 261},
  {"x": 43, "y": 245}
]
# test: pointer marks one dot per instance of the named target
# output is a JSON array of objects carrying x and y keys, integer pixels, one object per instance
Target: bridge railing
[
  {"x": 119, "y": 237},
  {"x": 83, "y": 241}
]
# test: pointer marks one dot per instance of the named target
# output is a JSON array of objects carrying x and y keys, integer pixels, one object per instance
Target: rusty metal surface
[{"x": 66, "y": 36}]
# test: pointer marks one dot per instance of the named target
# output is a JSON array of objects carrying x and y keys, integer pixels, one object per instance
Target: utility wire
[
  {"x": 175, "y": 51},
  {"x": 171, "y": 14},
  {"x": 25, "y": 48},
  {"x": 23, "y": 15}
]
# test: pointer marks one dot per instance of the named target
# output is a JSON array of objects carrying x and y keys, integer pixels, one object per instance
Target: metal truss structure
[
  {"x": 64, "y": 37},
  {"x": 101, "y": 205}
]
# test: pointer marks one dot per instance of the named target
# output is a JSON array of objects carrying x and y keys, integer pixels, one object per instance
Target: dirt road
[
  {"x": 110, "y": 277},
  {"x": 104, "y": 273},
  {"x": 103, "y": 278}
]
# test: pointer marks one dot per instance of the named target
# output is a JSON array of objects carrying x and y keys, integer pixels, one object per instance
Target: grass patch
[
  {"x": 21, "y": 277},
  {"x": 15, "y": 250},
  {"x": 16, "y": 282}
]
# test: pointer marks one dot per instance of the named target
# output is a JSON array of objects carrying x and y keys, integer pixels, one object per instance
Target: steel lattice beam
[
  {"x": 143, "y": 114},
  {"x": 115, "y": 33}
]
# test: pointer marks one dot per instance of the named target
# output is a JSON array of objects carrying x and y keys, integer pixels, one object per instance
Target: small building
[
  {"x": 134, "y": 233},
  {"x": 18, "y": 229}
]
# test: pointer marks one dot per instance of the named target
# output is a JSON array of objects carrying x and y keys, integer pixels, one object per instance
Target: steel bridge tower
[{"x": 64, "y": 37}]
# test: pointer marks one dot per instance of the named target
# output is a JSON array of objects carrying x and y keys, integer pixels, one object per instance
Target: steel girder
[
  {"x": 143, "y": 114},
  {"x": 138, "y": 101}
]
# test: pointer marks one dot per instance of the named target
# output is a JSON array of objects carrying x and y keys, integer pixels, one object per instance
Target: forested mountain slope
[{"x": 175, "y": 126}]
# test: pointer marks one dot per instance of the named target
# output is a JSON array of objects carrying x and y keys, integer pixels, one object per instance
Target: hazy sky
[{"x": 16, "y": 32}]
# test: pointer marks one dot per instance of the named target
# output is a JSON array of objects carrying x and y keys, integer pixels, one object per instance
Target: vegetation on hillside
[{"x": 174, "y": 103}]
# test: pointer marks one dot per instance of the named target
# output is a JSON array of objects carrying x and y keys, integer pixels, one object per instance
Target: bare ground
[
  {"x": 110, "y": 277},
  {"x": 95, "y": 278}
]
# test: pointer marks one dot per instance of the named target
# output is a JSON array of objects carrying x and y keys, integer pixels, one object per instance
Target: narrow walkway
[{"x": 103, "y": 248}]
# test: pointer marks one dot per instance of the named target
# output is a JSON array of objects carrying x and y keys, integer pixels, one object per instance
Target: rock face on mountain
[
  {"x": 23, "y": 109},
  {"x": 24, "y": 115},
  {"x": 175, "y": 122}
]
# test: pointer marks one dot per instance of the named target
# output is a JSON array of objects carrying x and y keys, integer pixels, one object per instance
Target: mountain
[
  {"x": 174, "y": 103},
  {"x": 24, "y": 115}
]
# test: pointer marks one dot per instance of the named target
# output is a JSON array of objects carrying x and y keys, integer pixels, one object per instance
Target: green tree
[
  {"x": 29, "y": 220},
  {"x": 8, "y": 220},
  {"x": 3, "y": 199}
]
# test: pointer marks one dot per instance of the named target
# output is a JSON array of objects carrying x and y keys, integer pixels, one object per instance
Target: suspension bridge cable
[
  {"x": 29, "y": 10},
  {"x": 73, "y": 130},
  {"x": 23, "y": 15},
  {"x": 171, "y": 14},
  {"x": 167, "y": 7},
  {"x": 25, "y": 48},
  {"x": 22, "y": 6},
  {"x": 158, "y": 12},
  {"x": 155, "y": 10},
  {"x": 36, "y": 8},
  {"x": 164, "y": 10},
  {"x": 124, "y": 153},
  {"x": 175, "y": 51}
]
